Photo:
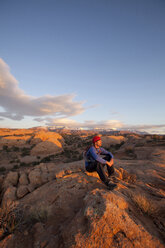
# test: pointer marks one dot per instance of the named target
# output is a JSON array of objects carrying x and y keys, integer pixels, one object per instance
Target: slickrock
[
  {"x": 28, "y": 159},
  {"x": 23, "y": 179},
  {"x": 22, "y": 191},
  {"x": 107, "y": 141},
  {"x": 35, "y": 178},
  {"x": 47, "y": 148},
  {"x": 108, "y": 217},
  {"x": 9, "y": 196},
  {"x": 11, "y": 179},
  {"x": 64, "y": 206}
]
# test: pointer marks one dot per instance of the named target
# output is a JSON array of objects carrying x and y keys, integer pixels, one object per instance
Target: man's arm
[
  {"x": 110, "y": 163},
  {"x": 96, "y": 157},
  {"x": 105, "y": 152}
]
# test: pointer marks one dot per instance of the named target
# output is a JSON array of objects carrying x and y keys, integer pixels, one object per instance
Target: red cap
[{"x": 96, "y": 138}]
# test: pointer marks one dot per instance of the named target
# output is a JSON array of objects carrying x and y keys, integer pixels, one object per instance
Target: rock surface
[
  {"x": 64, "y": 206},
  {"x": 47, "y": 148},
  {"x": 107, "y": 141}
]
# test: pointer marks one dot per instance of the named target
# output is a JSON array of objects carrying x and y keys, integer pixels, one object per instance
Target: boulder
[
  {"x": 9, "y": 196},
  {"x": 46, "y": 136},
  {"x": 47, "y": 148},
  {"x": 11, "y": 179},
  {"x": 22, "y": 191},
  {"x": 35, "y": 178},
  {"x": 107, "y": 141},
  {"x": 107, "y": 217},
  {"x": 23, "y": 180},
  {"x": 28, "y": 159},
  {"x": 13, "y": 141}
]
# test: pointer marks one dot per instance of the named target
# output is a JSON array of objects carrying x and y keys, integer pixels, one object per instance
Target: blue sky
[{"x": 95, "y": 63}]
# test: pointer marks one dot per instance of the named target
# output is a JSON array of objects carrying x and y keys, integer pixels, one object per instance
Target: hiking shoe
[
  {"x": 113, "y": 178},
  {"x": 111, "y": 186}
]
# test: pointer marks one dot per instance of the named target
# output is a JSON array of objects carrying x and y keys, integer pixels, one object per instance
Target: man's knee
[{"x": 108, "y": 157}]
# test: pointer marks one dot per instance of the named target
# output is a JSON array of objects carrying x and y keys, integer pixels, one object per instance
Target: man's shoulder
[
  {"x": 102, "y": 149},
  {"x": 92, "y": 148}
]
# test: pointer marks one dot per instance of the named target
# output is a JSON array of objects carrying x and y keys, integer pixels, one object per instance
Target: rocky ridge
[{"x": 64, "y": 206}]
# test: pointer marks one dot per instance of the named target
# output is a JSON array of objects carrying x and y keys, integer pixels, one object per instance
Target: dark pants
[{"x": 96, "y": 166}]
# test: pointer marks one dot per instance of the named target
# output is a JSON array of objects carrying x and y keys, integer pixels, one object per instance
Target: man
[{"x": 94, "y": 162}]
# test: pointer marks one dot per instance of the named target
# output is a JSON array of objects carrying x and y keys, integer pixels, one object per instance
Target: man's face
[{"x": 99, "y": 143}]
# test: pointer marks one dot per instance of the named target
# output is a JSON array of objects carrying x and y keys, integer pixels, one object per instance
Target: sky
[{"x": 83, "y": 63}]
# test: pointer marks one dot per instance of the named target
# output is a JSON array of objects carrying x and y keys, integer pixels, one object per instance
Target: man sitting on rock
[{"x": 94, "y": 162}]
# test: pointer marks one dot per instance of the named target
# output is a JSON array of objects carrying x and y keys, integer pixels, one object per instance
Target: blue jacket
[{"x": 93, "y": 155}]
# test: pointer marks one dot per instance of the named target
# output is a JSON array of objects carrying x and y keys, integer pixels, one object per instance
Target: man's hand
[{"x": 110, "y": 163}]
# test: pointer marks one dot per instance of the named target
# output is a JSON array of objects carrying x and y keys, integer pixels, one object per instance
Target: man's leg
[
  {"x": 101, "y": 172},
  {"x": 91, "y": 167},
  {"x": 110, "y": 169}
]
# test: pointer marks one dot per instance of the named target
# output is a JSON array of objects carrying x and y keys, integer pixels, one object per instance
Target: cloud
[
  {"x": 114, "y": 113},
  {"x": 90, "y": 124},
  {"x": 108, "y": 124},
  {"x": 159, "y": 129},
  {"x": 17, "y": 104}
]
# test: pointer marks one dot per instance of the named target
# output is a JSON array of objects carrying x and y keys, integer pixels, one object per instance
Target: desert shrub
[
  {"x": 23, "y": 164},
  {"x": 16, "y": 167},
  {"x": 38, "y": 215},
  {"x": 6, "y": 148},
  {"x": 2, "y": 169},
  {"x": 67, "y": 153},
  {"x": 130, "y": 152},
  {"x": 11, "y": 218},
  {"x": 46, "y": 159},
  {"x": 15, "y": 149},
  {"x": 145, "y": 205},
  {"x": 79, "y": 145},
  {"x": 35, "y": 163},
  {"x": 149, "y": 141},
  {"x": 12, "y": 161},
  {"x": 25, "y": 152},
  {"x": 139, "y": 145},
  {"x": 87, "y": 143},
  {"x": 80, "y": 157},
  {"x": 71, "y": 139},
  {"x": 115, "y": 147},
  {"x": 127, "y": 177}
]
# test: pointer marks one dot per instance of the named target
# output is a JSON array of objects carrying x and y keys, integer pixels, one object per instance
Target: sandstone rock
[
  {"x": 47, "y": 148},
  {"x": 23, "y": 180},
  {"x": 83, "y": 213},
  {"x": 11, "y": 179},
  {"x": 108, "y": 219},
  {"x": 46, "y": 136},
  {"x": 12, "y": 141},
  {"x": 45, "y": 177},
  {"x": 51, "y": 176},
  {"x": 51, "y": 167},
  {"x": 143, "y": 152},
  {"x": 10, "y": 132},
  {"x": 35, "y": 177},
  {"x": 31, "y": 187},
  {"x": 9, "y": 196},
  {"x": 43, "y": 167},
  {"x": 107, "y": 141},
  {"x": 22, "y": 191},
  {"x": 28, "y": 159}
]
